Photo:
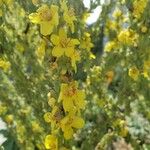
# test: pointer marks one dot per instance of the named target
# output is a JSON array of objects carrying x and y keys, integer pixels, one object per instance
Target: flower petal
[
  {"x": 51, "y": 142},
  {"x": 34, "y": 18},
  {"x": 68, "y": 104},
  {"x": 57, "y": 51},
  {"x": 75, "y": 42},
  {"x": 62, "y": 33},
  {"x": 78, "y": 122},
  {"x": 80, "y": 99},
  {"x": 68, "y": 133},
  {"x": 69, "y": 51},
  {"x": 55, "y": 39},
  {"x": 46, "y": 28}
]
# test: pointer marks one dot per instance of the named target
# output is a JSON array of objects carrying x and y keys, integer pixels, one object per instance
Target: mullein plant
[
  {"x": 58, "y": 24},
  {"x": 126, "y": 35},
  {"x": 57, "y": 94}
]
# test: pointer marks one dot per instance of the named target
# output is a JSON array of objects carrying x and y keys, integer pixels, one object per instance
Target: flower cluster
[
  {"x": 5, "y": 65},
  {"x": 65, "y": 113},
  {"x": 128, "y": 36},
  {"x": 47, "y": 18},
  {"x": 138, "y": 7},
  {"x": 134, "y": 72},
  {"x": 63, "y": 45},
  {"x": 55, "y": 23},
  {"x": 73, "y": 101}
]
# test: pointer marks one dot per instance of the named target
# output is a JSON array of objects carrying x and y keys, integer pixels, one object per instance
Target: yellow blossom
[
  {"x": 47, "y": 18},
  {"x": 138, "y": 7},
  {"x": 20, "y": 129},
  {"x": 111, "y": 45},
  {"x": 51, "y": 142},
  {"x": 85, "y": 16},
  {"x": 112, "y": 25},
  {"x": 134, "y": 73},
  {"x": 74, "y": 57},
  {"x": 128, "y": 36},
  {"x": 69, "y": 122},
  {"x": 36, "y": 127},
  {"x": 69, "y": 15},
  {"x": 54, "y": 117},
  {"x": 63, "y": 44},
  {"x": 123, "y": 128},
  {"x": 3, "y": 109},
  {"x": 86, "y": 42},
  {"x": 117, "y": 13},
  {"x": 51, "y": 101},
  {"x": 9, "y": 119},
  {"x": 5, "y": 65},
  {"x": 71, "y": 96}
]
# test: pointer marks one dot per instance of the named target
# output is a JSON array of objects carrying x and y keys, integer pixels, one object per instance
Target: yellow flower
[
  {"x": 72, "y": 97},
  {"x": 75, "y": 57},
  {"x": 36, "y": 127},
  {"x": 9, "y": 119},
  {"x": 3, "y": 109},
  {"x": 134, "y": 73},
  {"x": 53, "y": 117},
  {"x": 117, "y": 13},
  {"x": 138, "y": 7},
  {"x": 111, "y": 45},
  {"x": 51, "y": 142},
  {"x": 69, "y": 122},
  {"x": 112, "y": 25},
  {"x": 128, "y": 36},
  {"x": 51, "y": 101},
  {"x": 63, "y": 44},
  {"x": 47, "y": 18},
  {"x": 69, "y": 15},
  {"x": 86, "y": 42},
  {"x": 123, "y": 128},
  {"x": 85, "y": 15},
  {"x": 5, "y": 65}
]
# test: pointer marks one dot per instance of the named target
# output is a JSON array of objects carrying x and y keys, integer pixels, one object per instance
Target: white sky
[
  {"x": 2, "y": 126},
  {"x": 96, "y": 12}
]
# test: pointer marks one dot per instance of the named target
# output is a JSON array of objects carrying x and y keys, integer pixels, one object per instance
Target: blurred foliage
[{"x": 111, "y": 69}]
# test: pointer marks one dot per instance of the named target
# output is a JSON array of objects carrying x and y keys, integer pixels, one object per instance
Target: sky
[{"x": 95, "y": 14}]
